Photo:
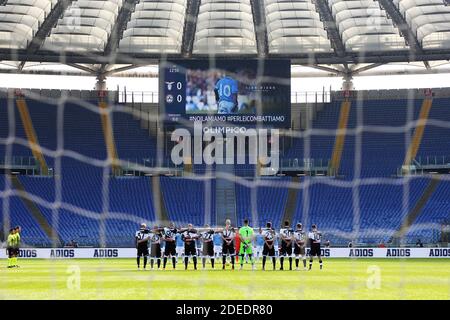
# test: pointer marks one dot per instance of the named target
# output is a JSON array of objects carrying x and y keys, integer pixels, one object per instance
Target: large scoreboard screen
[{"x": 226, "y": 92}]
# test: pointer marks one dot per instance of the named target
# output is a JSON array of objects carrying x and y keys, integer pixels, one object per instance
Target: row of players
[{"x": 292, "y": 242}]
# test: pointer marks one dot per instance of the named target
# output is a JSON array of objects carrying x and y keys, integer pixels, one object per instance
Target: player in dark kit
[
  {"x": 286, "y": 234},
  {"x": 169, "y": 234},
  {"x": 315, "y": 237},
  {"x": 189, "y": 237},
  {"x": 141, "y": 238},
  {"x": 300, "y": 246},
  {"x": 228, "y": 244},
  {"x": 155, "y": 238},
  {"x": 208, "y": 245},
  {"x": 269, "y": 246}
]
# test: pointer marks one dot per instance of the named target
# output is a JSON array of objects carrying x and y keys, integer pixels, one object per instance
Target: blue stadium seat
[
  {"x": 269, "y": 202},
  {"x": 185, "y": 199},
  {"x": 12, "y": 209}
]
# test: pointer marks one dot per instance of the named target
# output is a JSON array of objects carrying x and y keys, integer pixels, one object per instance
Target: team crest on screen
[{"x": 169, "y": 98}]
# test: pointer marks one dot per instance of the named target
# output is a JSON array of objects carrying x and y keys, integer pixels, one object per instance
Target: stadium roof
[{"x": 95, "y": 35}]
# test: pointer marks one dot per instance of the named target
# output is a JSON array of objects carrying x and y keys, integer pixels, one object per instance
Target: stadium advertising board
[
  {"x": 93, "y": 253},
  {"x": 226, "y": 92}
]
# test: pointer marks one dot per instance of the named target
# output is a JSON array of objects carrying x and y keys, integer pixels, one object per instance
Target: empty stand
[
  {"x": 418, "y": 132},
  {"x": 340, "y": 136},
  {"x": 108, "y": 133},
  {"x": 185, "y": 199},
  {"x": 82, "y": 201},
  {"x": 31, "y": 135},
  {"x": 266, "y": 203}
]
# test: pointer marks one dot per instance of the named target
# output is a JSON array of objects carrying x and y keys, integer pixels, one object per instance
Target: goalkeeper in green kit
[{"x": 246, "y": 237}]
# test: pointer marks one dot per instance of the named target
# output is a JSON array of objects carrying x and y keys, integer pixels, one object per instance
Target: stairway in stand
[{"x": 225, "y": 195}]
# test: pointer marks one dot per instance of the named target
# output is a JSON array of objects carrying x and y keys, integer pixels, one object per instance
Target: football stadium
[{"x": 225, "y": 150}]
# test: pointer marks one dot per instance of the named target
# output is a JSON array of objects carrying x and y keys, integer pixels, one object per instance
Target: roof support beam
[
  {"x": 147, "y": 59},
  {"x": 83, "y": 68},
  {"x": 301, "y": 74},
  {"x": 405, "y": 30},
  {"x": 46, "y": 28},
  {"x": 405, "y": 72},
  {"x": 120, "y": 26},
  {"x": 327, "y": 69},
  {"x": 117, "y": 31},
  {"x": 121, "y": 69},
  {"x": 43, "y": 72},
  {"x": 259, "y": 21},
  {"x": 190, "y": 26},
  {"x": 330, "y": 26},
  {"x": 366, "y": 68}
]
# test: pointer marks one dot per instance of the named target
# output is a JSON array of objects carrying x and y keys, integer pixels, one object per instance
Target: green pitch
[{"x": 119, "y": 279}]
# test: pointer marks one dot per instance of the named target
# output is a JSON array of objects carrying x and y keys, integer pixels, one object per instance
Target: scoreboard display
[{"x": 226, "y": 92}]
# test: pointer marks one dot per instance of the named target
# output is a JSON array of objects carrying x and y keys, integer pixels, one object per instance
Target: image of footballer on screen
[
  {"x": 226, "y": 92},
  {"x": 220, "y": 92}
]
